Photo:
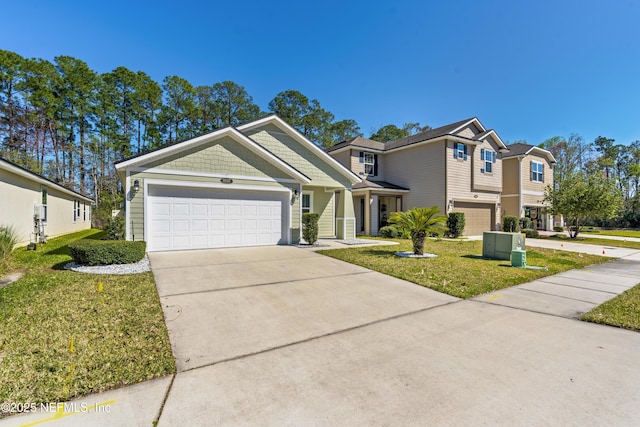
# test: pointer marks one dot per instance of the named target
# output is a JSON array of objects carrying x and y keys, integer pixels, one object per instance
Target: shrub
[
  {"x": 455, "y": 224},
  {"x": 558, "y": 229},
  {"x": 310, "y": 227},
  {"x": 389, "y": 232},
  {"x": 106, "y": 252},
  {"x": 525, "y": 223},
  {"x": 8, "y": 240},
  {"x": 115, "y": 228},
  {"x": 529, "y": 232},
  {"x": 510, "y": 223}
]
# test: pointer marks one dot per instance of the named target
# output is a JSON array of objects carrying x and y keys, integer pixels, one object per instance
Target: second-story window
[
  {"x": 459, "y": 151},
  {"x": 369, "y": 160},
  {"x": 537, "y": 172},
  {"x": 489, "y": 157}
]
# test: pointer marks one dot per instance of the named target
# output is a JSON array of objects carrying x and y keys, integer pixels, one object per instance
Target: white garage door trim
[{"x": 205, "y": 185}]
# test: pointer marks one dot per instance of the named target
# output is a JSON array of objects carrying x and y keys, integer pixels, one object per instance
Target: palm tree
[{"x": 419, "y": 222}]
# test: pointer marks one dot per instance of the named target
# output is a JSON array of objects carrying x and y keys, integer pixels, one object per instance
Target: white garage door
[{"x": 198, "y": 218}]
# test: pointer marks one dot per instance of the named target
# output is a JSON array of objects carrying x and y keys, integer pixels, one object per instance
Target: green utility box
[
  {"x": 499, "y": 244},
  {"x": 518, "y": 258}
]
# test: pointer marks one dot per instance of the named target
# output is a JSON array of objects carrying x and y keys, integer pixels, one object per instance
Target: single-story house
[
  {"x": 236, "y": 186},
  {"x": 27, "y": 196}
]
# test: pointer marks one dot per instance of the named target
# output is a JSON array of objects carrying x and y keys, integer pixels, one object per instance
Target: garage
[
  {"x": 479, "y": 217},
  {"x": 199, "y": 218}
]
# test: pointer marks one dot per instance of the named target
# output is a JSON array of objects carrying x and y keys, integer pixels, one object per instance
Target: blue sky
[{"x": 529, "y": 70}]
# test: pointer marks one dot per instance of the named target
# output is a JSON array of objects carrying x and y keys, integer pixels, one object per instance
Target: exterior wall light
[{"x": 136, "y": 186}]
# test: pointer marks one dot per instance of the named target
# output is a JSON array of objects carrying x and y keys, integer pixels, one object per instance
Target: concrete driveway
[{"x": 281, "y": 335}]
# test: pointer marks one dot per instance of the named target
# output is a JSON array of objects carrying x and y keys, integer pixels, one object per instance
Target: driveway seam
[
  {"x": 317, "y": 337},
  {"x": 554, "y": 295},
  {"x": 530, "y": 311},
  {"x": 223, "y": 263},
  {"x": 583, "y": 280},
  {"x": 542, "y": 280},
  {"x": 264, "y": 284},
  {"x": 166, "y": 396}
]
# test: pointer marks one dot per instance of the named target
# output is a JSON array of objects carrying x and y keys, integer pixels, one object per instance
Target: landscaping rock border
[
  {"x": 141, "y": 266},
  {"x": 412, "y": 255}
]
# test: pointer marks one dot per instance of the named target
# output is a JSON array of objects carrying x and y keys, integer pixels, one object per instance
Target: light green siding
[
  {"x": 324, "y": 204},
  {"x": 299, "y": 156},
  {"x": 224, "y": 156}
]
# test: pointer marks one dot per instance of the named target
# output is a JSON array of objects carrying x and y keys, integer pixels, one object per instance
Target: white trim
[
  {"x": 40, "y": 180},
  {"x": 475, "y": 119},
  {"x": 453, "y": 138},
  {"x": 379, "y": 190},
  {"x": 171, "y": 183},
  {"x": 510, "y": 195},
  {"x": 545, "y": 152},
  {"x": 210, "y": 175},
  {"x": 356, "y": 147},
  {"x": 532, "y": 193},
  {"x": 302, "y": 139},
  {"x": 520, "y": 208},
  {"x": 201, "y": 140},
  {"x": 495, "y": 135},
  {"x": 127, "y": 206}
]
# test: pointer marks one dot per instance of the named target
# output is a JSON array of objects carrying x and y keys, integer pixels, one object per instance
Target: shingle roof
[
  {"x": 379, "y": 185},
  {"x": 517, "y": 149},
  {"x": 361, "y": 142},
  {"x": 412, "y": 139}
]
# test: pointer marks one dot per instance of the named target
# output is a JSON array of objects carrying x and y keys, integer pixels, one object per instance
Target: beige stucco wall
[
  {"x": 510, "y": 206},
  {"x": 487, "y": 181},
  {"x": 21, "y": 194}
]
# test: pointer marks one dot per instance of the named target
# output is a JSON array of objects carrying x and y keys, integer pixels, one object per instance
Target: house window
[
  {"x": 537, "y": 172},
  {"x": 84, "y": 212},
  {"x": 370, "y": 163},
  {"x": 44, "y": 205},
  {"x": 307, "y": 202},
  {"x": 489, "y": 157},
  {"x": 459, "y": 151}
]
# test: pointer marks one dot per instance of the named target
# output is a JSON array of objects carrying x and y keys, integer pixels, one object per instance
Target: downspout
[{"x": 520, "y": 207}]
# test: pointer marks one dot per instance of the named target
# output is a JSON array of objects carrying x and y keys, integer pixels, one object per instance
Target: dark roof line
[{"x": 45, "y": 178}]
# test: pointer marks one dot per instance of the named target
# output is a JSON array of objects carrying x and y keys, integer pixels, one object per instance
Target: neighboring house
[
  {"x": 456, "y": 167},
  {"x": 243, "y": 186},
  {"x": 526, "y": 171},
  {"x": 25, "y": 194}
]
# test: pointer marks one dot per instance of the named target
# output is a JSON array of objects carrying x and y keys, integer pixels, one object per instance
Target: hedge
[
  {"x": 510, "y": 223},
  {"x": 389, "y": 232},
  {"x": 455, "y": 224},
  {"x": 106, "y": 252},
  {"x": 310, "y": 227}
]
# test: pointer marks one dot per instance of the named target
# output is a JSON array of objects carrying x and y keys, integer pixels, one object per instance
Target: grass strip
[{"x": 459, "y": 270}]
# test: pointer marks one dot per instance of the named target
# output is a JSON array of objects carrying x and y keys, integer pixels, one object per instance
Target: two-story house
[
  {"x": 527, "y": 170},
  {"x": 457, "y": 167}
]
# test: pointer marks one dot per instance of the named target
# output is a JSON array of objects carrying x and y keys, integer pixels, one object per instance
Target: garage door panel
[
  {"x": 190, "y": 218},
  {"x": 479, "y": 217}
]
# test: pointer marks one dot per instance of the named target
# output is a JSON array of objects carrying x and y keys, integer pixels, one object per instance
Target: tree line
[
  {"x": 595, "y": 183},
  {"x": 70, "y": 123}
]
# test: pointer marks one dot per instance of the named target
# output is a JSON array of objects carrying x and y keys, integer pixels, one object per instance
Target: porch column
[
  {"x": 367, "y": 213},
  {"x": 345, "y": 216},
  {"x": 375, "y": 218}
]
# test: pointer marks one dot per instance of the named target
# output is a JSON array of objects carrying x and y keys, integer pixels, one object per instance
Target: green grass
[
  {"x": 621, "y": 233},
  {"x": 459, "y": 270},
  {"x": 595, "y": 241},
  {"x": 119, "y": 335},
  {"x": 622, "y": 311}
]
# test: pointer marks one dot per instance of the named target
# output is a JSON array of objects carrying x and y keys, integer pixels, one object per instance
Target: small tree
[
  {"x": 525, "y": 223},
  {"x": 419, "y": 222},
  {"x": 510, "y": 223},
  {"x": 310, "y": 227},
  {"x": 455, "y": 224},
  {"x": 582, "y": 197}
]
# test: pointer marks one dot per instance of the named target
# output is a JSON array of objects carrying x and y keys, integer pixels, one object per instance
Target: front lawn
[
  {"x": 62, "y": 335},
  {"x": 459, "y": 270},
  {"x": 595, "y": 241},
  {"x": 622, "y": 311}
]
